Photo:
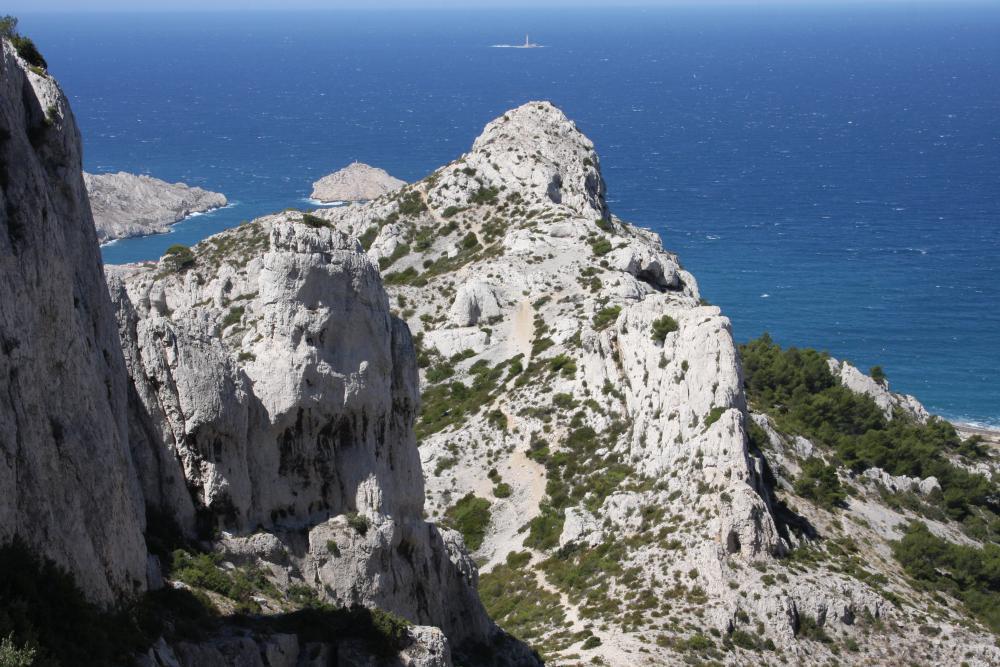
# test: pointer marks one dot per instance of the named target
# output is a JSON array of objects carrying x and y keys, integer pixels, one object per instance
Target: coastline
[
  {"x": 170, "y": 228},
  {"x": 990, "y": 434}
]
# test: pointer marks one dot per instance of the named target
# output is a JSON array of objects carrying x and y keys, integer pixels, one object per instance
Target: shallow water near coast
[{"x": 830, "y": 176}]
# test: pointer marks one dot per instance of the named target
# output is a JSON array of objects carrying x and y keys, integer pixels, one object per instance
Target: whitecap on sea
[{"x": 327, "y": 204}]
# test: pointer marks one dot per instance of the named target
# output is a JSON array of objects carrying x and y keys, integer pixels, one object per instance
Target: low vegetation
[
  {"x": 513, "y": 598},
  {"x": 969, "y": 573},
  {"x": 23, "y": 45},
  {"x": 177, "y": 258},
  {"x": 796, "y": 388},
  {"x": 819, "y": 483},
  {"x": 662, "y": 326},
  {"x": 469, "y": 516}
]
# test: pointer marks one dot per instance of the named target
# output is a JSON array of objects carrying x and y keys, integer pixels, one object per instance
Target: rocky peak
[{"x": 533, "y": 152}]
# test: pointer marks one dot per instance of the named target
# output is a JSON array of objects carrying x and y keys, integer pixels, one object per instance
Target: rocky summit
[
  {"x": 476, "y": 420},
  {"x": 126, "y": 205},
  {"x": 355, "y": 182}
]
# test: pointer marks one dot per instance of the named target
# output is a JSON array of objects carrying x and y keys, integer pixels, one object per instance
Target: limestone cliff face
[
  {"x": 282, "y": 387},
  {"x": 67, "y": 485},
  {"x": 577, "y": 382},
  {"x": 274, "y": 396}
]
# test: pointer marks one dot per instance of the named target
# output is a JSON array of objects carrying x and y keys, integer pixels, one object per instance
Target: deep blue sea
[{"x": 831, "y": 176}]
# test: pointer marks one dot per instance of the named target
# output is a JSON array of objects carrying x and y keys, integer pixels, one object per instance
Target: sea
[{"x": 830, "y": 174}]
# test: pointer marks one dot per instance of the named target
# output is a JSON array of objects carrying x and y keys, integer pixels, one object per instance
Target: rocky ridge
[
  {"x": 355, "y": 182},
  {"x": 126, "y": 205},
  {"x": 576, "y": 384},
  {"x": 283, "y": 491}
]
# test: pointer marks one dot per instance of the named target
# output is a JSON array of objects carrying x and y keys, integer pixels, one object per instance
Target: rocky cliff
[
  {"x": 635, "y": 489},
  {"x": 274, "y": 403},
  {"x": 254, "y": 396},
  {"x": 126, "y": 205},
  {"x": 587, "y": 407},
  {"x": 68, "y": 485}
]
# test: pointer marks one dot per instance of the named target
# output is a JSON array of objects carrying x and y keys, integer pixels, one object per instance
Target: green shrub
[
  {"x": 358, "y": 522},
  {"x": 713, "y": 415},
  {"x": 444, "y": 463},
  {"x": 808, "y": 628},
  {"x": 445, "y": 404},
  {"x": 590, "y": 642},
  {"x": 470, "y": 516},
  {"x": 469, "y": 241},
  {"x": 819, "y": 482},
  {"x": 24, "y": 46},
  {"x": 412, "y": 204},
  {"x": 878, "y": 375},
  {"x": 969, "y": 573},
  {"x": 564, "y": 364},
  {"x": 315, "y": 222},
  {"x": 178, "y": 258},
  {"x": 502, "y": 490},
  {"x": 606, "y": 317},
  {"x": 401, "y": 250},
  {"x": 544, "y": 530},
  {"x": 333, "y": 549},
  {"x": 513, "y": 598},
  {"x": 368, "y": 237},
  {"x": 408, "y": 276},
  {"x": 451, "y": 211},
  {"x": 485, "y": 196},
  {"x": 234, "y": 315},
  {"x": 600, "y": 246},
  {"x": 662, "y": 326}
]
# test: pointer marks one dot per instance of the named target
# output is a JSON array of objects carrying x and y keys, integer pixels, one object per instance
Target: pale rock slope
[
  {"x": 273, "y": 414},
  {"x": 67, "y": 486},
  {"x": 126, "y": 205},
  {"x": 574, "y": 380},
  {"x": 355, "y": 182}
]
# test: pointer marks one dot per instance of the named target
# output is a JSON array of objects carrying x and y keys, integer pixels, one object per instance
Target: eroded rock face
[
  {"x": 275, "y": 394},
  {"x": 126, "y": 205},
  {"x": 886, "y": 400},
  {"x": 67, "y": 486},
  {"x": 283, "y": 386},
  {"x": 610, "y": 423},
  {"x": 355, "y": 182}
]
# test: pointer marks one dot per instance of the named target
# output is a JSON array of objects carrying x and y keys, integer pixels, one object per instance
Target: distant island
[
  {"x": 355, "y": 182},
  {"x": 528, "y": 44},
  {"x": 127, "y": 205}
]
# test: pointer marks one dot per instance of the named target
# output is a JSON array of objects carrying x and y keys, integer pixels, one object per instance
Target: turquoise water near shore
[{"x": 831, "y": 176}]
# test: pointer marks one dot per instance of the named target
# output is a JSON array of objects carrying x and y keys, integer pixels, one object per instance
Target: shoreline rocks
[
  {"x": 126, "y": 205},
  {"x": 355, "y": 182}
]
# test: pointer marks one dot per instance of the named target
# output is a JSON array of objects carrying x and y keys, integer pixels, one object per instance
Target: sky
[{"x": 15, "y": 6}]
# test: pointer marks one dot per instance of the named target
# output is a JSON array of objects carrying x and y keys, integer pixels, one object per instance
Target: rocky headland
[
  {"x": 355, "y": 182},
  {"x": 126, "y": 205}
]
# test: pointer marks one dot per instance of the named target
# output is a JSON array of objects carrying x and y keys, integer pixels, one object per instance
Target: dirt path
[{"x": 522, "y": 329}]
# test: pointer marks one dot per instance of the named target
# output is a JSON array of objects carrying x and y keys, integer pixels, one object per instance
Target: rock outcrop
[
  {"x": 577, "y": 384},
  {"x": 126, "y": 205},
  {"x": 274, "y": 398},
  {"x": 67, "y": 485},
  {"x": 255, "y": 392},
  {"x": 355, "y": 182},
  {"x": 889, "y": 402}
]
